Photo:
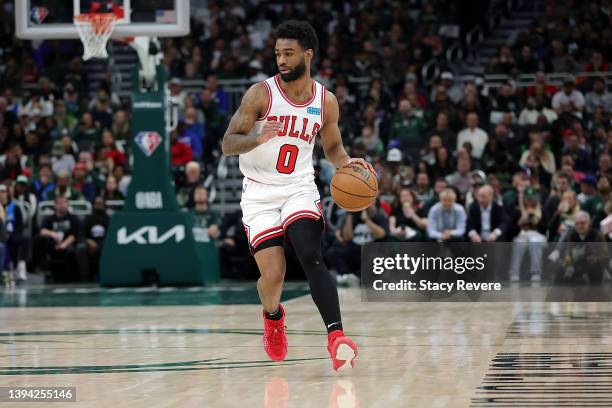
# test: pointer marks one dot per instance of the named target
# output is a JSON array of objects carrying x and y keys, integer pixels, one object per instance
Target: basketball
[{"x": 354, "y": 188}]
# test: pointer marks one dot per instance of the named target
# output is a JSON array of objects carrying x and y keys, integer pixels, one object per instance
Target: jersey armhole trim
[
  {"x": 324, "y": 91},
  {"x": 265, "y": 115}
]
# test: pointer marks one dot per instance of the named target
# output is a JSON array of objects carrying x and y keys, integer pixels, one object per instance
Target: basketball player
[{"x": 273, "y": 132}]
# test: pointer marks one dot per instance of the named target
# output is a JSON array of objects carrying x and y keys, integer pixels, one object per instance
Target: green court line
[
  {"x": 209, "y": 364},
  {"x": 78, "y": 296}
]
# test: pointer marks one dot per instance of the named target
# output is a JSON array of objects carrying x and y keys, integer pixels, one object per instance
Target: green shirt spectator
[{"x": 407, "y": 127}]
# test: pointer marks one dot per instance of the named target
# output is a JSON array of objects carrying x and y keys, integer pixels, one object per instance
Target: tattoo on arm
[{"x": 238, "y": 138}]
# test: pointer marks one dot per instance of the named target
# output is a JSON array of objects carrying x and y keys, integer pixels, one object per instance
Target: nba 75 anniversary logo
[{"x": 148, "y": 142}]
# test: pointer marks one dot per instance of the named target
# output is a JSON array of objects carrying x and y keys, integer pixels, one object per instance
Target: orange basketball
[{"x": 354, "y": 188}]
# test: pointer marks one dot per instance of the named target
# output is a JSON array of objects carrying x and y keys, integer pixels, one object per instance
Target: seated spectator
[
  {"x": 498, "y": 160},
  {"x": 428, "y": 154},
  {"x": 43, "y": 184},
  {"x": 205, "y": 218},
  {"x": 86, "y": 135},
  {"x": 109, "y": 152},
  {"x": 504, "y": 62},
  {"x": 373, "y": 145},
  {"x": 111, "y": 190},
  {"x": 177, "y": 93},
  {"x": 474, "y": 135},
  {"x": 101, "y": 112},
  {"x": 564, "y": 217},
  {"x": 454, "y": 90},
  {"x": 530, "y": 238},
  {"x": 84, "y": 183},
  {"x": 533, "y": 110},
  {"x": 180, "y": 153},
  {"x": 443, "y": 165},
  {"x": 195, "y": 131},
  {"x": 63, "y": 120},
  {"x": 541, "y": 82},
  {"x": 561, "y": 183},
  {"x": 442, "y": 129},
  {"x": 446, "y": 220},
  {"x": 598, "y": 97},
  {"x": 581, "y": 157},
  {"x": 74, "y": 104},
  {"x": 605, "y": 165},
  {"x": 95, "y": 228},
  {"x": 582, "y": 253},
  {"x": 538, "y": 149},
  {"x": 63, "y": 155},
  {"x": 193, "y": 178},
  {"x": 568, "y": 95},
  {"x": 506, "y": 99},
  {"x": 12, "y": 162},
  {"x": 461, "y": 179},
  {"x": 121, "y": 126},
  {"x": 407, "y": 128},
  {"x": 356, "y": 230},
  {"x": 64, "y": 188},
  {"x": 527, "y": 63},
  {"x": 486, "y": 220},
  {"x": 123, "y": 179},
  {"x": 407, "y": 222},
  {"x": 57, "y": 241},
  {"x": 213, "y": 117},
  {"x": 595, "y": 205},
  {"x": 422, "y": 189}
]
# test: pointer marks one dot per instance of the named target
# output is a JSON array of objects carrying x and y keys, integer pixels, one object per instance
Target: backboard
[{"x": 53, "y": 19}]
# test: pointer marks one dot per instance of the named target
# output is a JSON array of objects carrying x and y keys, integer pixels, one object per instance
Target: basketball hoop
[{"x": 94, "y": 30}]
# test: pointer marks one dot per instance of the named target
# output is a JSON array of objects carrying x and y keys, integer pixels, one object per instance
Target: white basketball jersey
[{"x": 287, "y": 158}]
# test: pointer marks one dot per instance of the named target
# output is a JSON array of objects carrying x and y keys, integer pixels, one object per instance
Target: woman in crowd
[{"x": 407, "y": 221}]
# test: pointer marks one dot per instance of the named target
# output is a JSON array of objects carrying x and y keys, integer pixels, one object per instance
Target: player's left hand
[{"x": 363, "y": 163}]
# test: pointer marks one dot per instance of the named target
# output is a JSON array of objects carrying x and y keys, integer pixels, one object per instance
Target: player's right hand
[{"x": 269, "y": 131}]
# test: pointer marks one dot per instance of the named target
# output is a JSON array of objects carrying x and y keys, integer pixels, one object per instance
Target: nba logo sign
[
  {"x": 38, "y": 14},
  {"x": 148, "y": 142}
]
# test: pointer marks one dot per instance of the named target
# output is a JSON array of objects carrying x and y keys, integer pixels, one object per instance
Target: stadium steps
[
  {"x": 118, "y": 68},
  {"x": 509, "y": 27},
  {"x": 229, "y": 188}
]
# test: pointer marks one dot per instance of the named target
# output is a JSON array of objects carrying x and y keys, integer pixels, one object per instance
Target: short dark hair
[{"x": 301, "y": 31}]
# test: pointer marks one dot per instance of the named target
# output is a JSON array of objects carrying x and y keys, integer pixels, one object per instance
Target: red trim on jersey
[
  {"x": 267, "y": 231},
  {"x": 265, "y": 115},
  {"x": 300, "y": 214},
  {"x": 297, "y": 105},
  {"x": 323, "y": 106},
  {"x": 261, "y": 240}
]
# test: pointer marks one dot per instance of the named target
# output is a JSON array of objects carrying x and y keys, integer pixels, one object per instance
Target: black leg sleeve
[{"x": 305, "y": 235}]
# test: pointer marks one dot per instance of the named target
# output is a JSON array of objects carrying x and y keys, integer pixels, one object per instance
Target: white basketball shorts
[{"x": 267, "y": 210}]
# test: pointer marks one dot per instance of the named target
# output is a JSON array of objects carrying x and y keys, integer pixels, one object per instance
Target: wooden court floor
[{"x": 411, "y": 354}]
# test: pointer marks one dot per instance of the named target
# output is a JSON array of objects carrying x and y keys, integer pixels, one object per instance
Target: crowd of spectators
[{"x": 457, "y": 160}]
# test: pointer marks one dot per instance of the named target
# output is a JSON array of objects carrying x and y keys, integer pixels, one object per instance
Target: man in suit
[{"x": 487, "y": 220}]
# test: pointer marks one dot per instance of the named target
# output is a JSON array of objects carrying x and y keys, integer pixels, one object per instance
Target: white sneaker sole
[{"x": 346, "y": 353}]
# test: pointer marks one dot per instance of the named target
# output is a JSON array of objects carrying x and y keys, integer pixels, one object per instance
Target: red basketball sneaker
[
  {"x": 342, "y": 350},
  {"x": 274, "y": 338}
]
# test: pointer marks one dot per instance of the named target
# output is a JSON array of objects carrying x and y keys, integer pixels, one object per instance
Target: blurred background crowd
[{"x": 458, "y": 159}]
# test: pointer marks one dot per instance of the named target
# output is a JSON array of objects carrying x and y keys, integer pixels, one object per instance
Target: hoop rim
[{"x": 87, "y": 17}]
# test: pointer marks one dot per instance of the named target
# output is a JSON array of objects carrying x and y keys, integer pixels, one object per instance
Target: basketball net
[{"x": 95, "y": 28}]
